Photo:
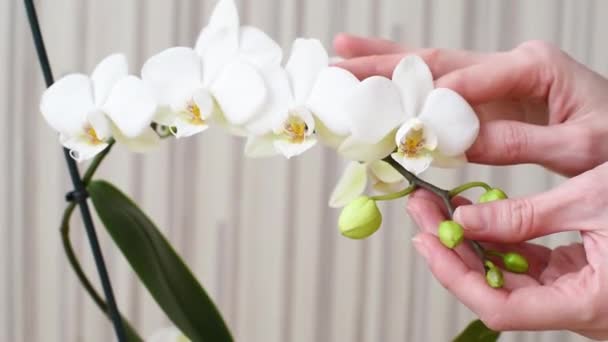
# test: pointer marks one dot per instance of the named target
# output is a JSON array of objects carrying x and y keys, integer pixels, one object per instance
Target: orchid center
[
  {"x": 415, "y": 140},
  {"x": 194, "y": 114},
  {"x": 91, "y": 134},
  {"x": 296, "y": 127}
]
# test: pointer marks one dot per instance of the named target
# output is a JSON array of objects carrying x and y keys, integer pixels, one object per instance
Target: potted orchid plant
[{"x": 234, "y": 78}]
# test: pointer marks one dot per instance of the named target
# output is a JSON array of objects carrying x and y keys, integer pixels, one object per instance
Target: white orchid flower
[
  {"x": 223, "y": 77},
  {"x": 381, "y": 175},
  {"x": 88, "y": 111},
  {"x": 440, "y": 125},
  {"x": 169, "y": 334},
  {"x": 288, "y": 127}
]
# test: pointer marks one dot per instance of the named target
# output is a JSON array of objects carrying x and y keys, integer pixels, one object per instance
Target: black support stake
[{"x": 79, "y": 195}]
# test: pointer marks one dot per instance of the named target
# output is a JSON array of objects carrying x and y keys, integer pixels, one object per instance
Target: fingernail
[
  {"x": 460, "y": 216},
  {"x": 420, "y": 246}
]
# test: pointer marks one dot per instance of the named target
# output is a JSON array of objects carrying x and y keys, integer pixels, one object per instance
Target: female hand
[
  {"x": 536, "y": 104},
  {"x": 565, "y": 288}
]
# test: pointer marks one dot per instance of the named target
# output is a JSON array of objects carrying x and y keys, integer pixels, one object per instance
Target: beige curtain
[{"x": 257, "y": 233}]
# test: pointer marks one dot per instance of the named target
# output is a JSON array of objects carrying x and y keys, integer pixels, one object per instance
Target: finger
[
  {"x": 526, "y": 308},
  {"x": 564, "y": 259},
  {"x": 350, "y": 46},
  {"x": 428, "y": 211},
  {"x": 525, "y": 218},
  {"x": 506, "y": 142},
  {"x": 440, "y": 62}
]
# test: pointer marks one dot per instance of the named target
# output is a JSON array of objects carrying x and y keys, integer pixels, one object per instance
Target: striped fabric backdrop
[{"x": 257, "y": 233}]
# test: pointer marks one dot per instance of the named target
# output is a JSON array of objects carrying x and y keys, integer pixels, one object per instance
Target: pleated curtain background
[{"x": 257, "y": 233}]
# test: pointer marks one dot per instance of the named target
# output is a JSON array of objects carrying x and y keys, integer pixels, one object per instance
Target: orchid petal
[
  {"x": 173, "y": 75},
  {"x": 452, "y": 120},
  {"x": 145, "y": 142},
  {"x": 328, "y": 96},
  {"x": 164, "y": 116},
  {"x": 100, "y": 123},
  {"x": 184, "y": 128},
  {"x": 414, "y": 165},
  {"x": 131, "y": 106},
  {"x": 65, "y": 104},
  {"x": 326, "y": 136},
  {"x": 260, "y": 146},
  {"x": 81, "y": 148},
  {"x": 225, "y": 16},
  {"x": 217, "y": 49},
  {"x": 289, "y": 149},
  {"x": 169, "y": 334},
  {"x": 354, "y": 149},
  {"x": 308, "y": 58},
  {"x": 350, "y": 186},
  {"x": 277, "y": 103},
  {"x": 106, "y": 74},
  {"x": 375, "y": 109},
  {"x": 442, "y": 161},
  {"x": 257, "y": 48},
  {"x": 414, "y": 124},
  {"x": 204, "y": 102},
  {"x": 384, "y": 172},
  {"x": 388, "y": 188},
  {"x": 415, "y": 81},
  {"x": 240, "y": 92}
]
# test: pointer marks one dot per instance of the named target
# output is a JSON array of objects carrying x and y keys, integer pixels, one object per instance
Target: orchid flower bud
[
  {"x": 360, "y": 218},
  {"x": 450, "y": 233},
  {"x": 493, "y": 194},
  {"x": 494, "y": 276},
  {"x": 515, "y": 262}
]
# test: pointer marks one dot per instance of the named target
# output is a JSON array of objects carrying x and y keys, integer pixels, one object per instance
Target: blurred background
[{"x": 257, "y": 233}]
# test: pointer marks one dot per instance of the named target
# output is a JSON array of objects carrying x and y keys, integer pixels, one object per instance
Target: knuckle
[
  {"x": 515, "y": 142},
  {"x": 495, "y": 321},
  {"x": 520, "y": 216},
  {"x": 538, "y": 58}
]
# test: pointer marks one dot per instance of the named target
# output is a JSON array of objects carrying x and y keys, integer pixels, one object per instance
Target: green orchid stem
[
  {"x": 69, "y": 250},
  {"x": 395, "y": 195},
  {"x": 467, "y": 186},
  {"x": 494, "y": 253},
  {"x": 445, "y": 195}
]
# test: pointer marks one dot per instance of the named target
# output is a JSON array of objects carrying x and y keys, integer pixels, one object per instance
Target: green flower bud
[
  {"x": 493, "y": 194},
  {"x": 515, "y": 262},
  {"x": 360, "y": 218},
  {"x": 494, "y": 276},
  {"x": 450, "y": 233}
]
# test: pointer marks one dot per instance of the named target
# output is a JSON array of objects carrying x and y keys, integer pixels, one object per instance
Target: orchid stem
[
  {"x": 395, "y": 195},
  {"x": 445, "y": 195},
  {"x": 467, "y": 186}
]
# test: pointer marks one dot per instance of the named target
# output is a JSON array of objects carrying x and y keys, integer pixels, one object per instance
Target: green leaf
[
  {"x": 158, "y": 266},
  {"x": 476, "y": 331}
]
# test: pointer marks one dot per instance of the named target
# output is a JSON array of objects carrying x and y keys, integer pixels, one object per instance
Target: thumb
[
  {"x": 504, "y": 142},
  {"x": 520, "y": 219}
]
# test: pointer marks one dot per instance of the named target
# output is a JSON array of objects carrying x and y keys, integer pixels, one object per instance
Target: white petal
[
  {"x": 375, "y": 109},
  {"x": 277, "y": 103},
  {"x": 170, "y": 334},
  {"x": 131, "y": 106},
  {"x": 289, "y": 149},
  {"x": 145, "y": 142},
  {"x": 186, "y": 129},
  {"x": 259, "y": 147},
  {"x": 164, "y": 116},
  {"x": 217, "y": 49},
  {"x": 240, "y": 92},
  {"x": 384, "y": 172},
  {"x": 388, "y": 188},
  {"x": 350, "y": 186},
  {"x": 308, "y": 58},
  {"x": 414, "y": 165},
  {"x": 326, "y": 136},
  {"x": 205, "y": 103},
  {"x": 257, "y": 48},
  {"x": 80, "y": 147},
  {"x": 106, "y": 74},
  {"x": 328, "y": 96},
  {"x": 66, "y": 103},
  {"x": 440, "y": 160},
  {"x": 100, "y": 123},
  {"x": 225, "y": 16},
  {"x": 452, "y": 119},
  {"x": 353, "y": 149},
  {"x": 415, "y": 81},
  {"x": 173, "y": 75},
  {"x": 430, "y": 138}
]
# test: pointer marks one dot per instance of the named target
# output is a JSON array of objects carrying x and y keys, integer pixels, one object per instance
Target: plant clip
[{"x": 76, "y": 196}]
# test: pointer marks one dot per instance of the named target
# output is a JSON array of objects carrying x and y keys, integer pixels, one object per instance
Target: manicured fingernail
[{"x": 420, "y": 246}]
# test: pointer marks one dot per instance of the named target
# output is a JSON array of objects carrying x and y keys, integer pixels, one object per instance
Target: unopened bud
[
  {"x": 494, "y": 276},
  {"x": 360, "y": 218},
  {"x": 515, "y": 262},
  {"x": 450, "y": 233},
  {"x": 493, "y": 194}
]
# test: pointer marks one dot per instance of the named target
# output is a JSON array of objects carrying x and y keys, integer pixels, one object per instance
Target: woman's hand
[
  {"x": 565, "y": 288},
  {"x": 536, "y": 104}
]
